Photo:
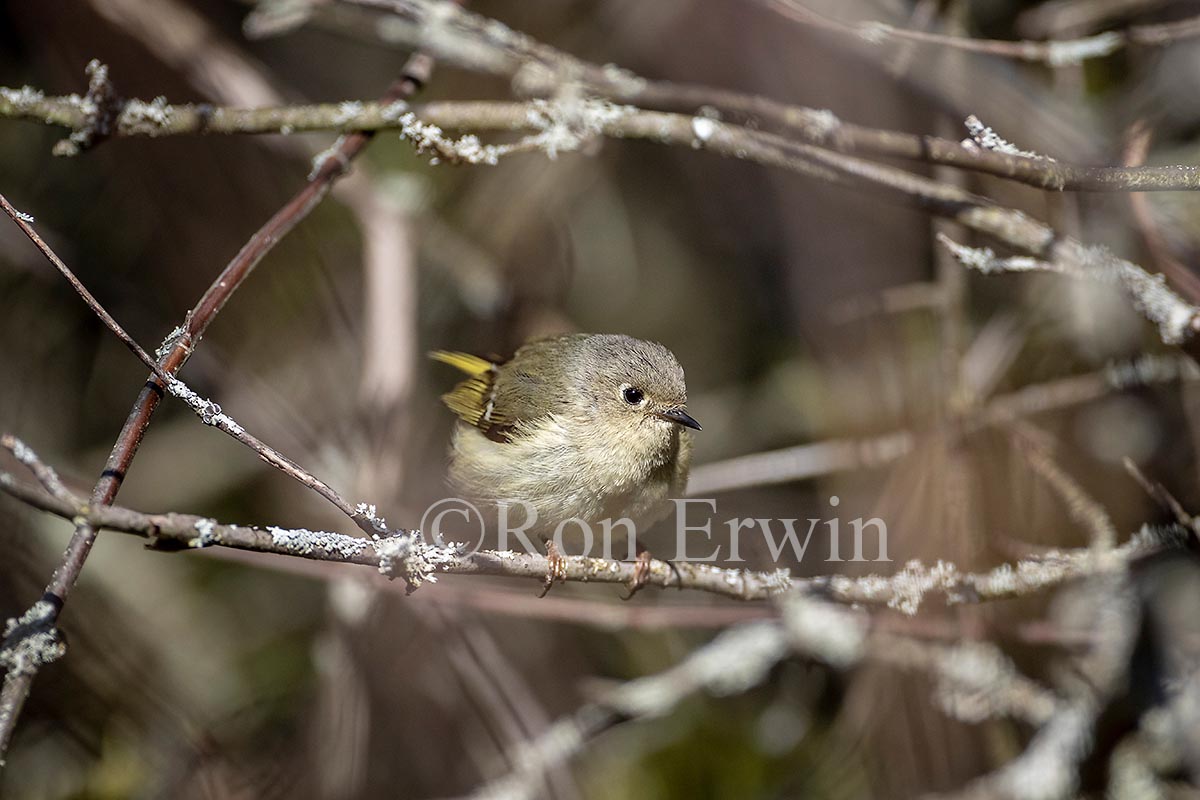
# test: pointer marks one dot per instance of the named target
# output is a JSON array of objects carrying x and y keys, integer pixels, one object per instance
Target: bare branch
[
  {"x": 172, "y": 356},
  {"x": 1054, "y": 53},
  {"x": 1082, "y": 507},
  {"x": 408, "y": 555},
  {"x": 25, "y": 223},
  {"x": 811, "y": 126},
  {"x": 806, "y": 461},
  {"x": 973, "y": 681}
]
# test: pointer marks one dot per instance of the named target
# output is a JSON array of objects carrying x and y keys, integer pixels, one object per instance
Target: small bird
[{"x": 587, "y": 426}]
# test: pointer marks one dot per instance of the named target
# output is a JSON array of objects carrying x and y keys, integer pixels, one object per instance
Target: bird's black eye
[{"x": 633, "y": 395}]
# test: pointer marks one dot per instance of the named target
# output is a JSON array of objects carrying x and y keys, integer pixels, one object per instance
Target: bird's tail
[{"x": 472, "y": 365}]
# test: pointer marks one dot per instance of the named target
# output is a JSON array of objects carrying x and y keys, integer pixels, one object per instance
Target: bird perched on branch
[{"x": 582, "y": 426}]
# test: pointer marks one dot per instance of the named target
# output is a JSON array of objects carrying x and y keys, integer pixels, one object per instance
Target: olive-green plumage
[{"x": 588, "y": 426}]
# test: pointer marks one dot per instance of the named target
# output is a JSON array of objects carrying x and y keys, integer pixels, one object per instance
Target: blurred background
[{"x": 801, "y": 312}]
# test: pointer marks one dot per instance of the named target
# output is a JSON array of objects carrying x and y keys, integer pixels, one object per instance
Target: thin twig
[
  {"x": 1081, "y": 506},
  {"x": 972, "y": 682},
  {"x": 806, "y": 461},
  {"x": 481, "y": 44},
  {"x": 1054, "y": 53},
  {"x": 209, "y": 412},
  {"x": 17, "y": 685},
  {"x": 22, "y": 221}
]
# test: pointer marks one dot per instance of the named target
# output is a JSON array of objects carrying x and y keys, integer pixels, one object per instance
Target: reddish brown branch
[{"x": 16, "y": 687}]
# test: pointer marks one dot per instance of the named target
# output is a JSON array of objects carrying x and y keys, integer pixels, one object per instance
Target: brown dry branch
[
  {"x": 409, "y": 556},
  {"x": 611, "y": 616},
  {"x": 25, "y": 223},
  {"x": 973, "y": 681},
  {"x": 1052, "y": 53},
  {"x": 1082, "y": 507},
  {"x": 1177, "y": 319},
  {"x": 138, "y": 118},
  {"x": 478, "y": 43},
  {"x": 1053, "y": 758},
  {"x": 404, "y": 555},
  {"x": 172, "y": 355},
  {"x": 806, "y": 461},
  {"x": 566, "y": 124},
  {"x": 209, "y": 412},
  {"x": 458, "y": 36},
  {"x": 735, "y": 661}
]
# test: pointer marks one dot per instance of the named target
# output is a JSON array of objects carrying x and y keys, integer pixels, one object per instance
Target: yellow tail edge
[{"x": 472, "y": 365}]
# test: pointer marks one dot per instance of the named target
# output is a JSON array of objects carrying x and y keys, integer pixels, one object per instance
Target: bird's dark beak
[{"x": 680, "y": 416}]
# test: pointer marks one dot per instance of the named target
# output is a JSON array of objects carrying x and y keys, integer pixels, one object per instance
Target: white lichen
[
  {"x": 1177, "y": 320},
  {"x": 394, "y": 111},
  {"x": 205, "y": 533},
  {"x": 301, "y": 541},
  {"x": 347, "y": 112},
  {"x": 977, "y": 682},
  {"x": 820, "y": 124},
  {"x": 466, "y": 149},
  {"x": 168, "y": 344},
  {"x": 569, "y": 121},
  {"x": 779, "y": 581},
  {"x": 1174, "y": 317},
  {"x": 986, "y": 138},
  {"x": 21, "y": 99},
  {"x": 703, "y": 128},
  {"x": 156, "y": 113},
  {"x": 368, "y": 512},
  {"x": 409, "y": 556},
  {"x": 733, "y": 662},
  {"x": 985, "y": 260},
  {"x": 1072, "y": 52},
  {"x": 906, "y": 590},
  {"x": 333, "y": 152},
  {"x": 209, "y": 412},
  {"x": 39, "y": 644},
  {"x": 22, "y": 452}
]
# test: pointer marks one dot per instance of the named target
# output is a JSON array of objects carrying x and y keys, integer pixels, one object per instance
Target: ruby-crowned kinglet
[{"x": 587, "y": 426}]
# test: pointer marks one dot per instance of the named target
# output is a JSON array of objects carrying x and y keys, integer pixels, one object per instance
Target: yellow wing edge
[{"x": 471, "y": 398}]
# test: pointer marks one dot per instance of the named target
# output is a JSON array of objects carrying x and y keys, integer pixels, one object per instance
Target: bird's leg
[
  {"x": 556, "y": 569},
  {"x": 641, "y": 571}
]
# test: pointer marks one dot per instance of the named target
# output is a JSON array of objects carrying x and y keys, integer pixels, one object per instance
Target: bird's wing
[
  {"x": 505, "y": 398},
  {"x": 473, "y": 399}
]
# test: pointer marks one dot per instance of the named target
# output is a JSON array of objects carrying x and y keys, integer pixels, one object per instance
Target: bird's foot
[
  {"x": 556, "y": 569},
  {"x": 641, "y": 572}
]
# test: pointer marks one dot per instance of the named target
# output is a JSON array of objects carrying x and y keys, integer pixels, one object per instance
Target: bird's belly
[{"x": 555, "y": 480}]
